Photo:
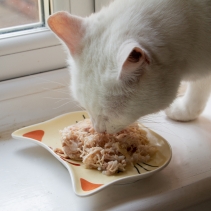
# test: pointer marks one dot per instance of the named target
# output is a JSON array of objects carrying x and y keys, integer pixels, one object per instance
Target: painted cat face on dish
[
  {"x": 89, "y": 181},
  {"x": 127, "y": 60}
]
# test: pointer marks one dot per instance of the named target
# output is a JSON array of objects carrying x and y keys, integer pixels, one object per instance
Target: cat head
[{"x": 114, "y": 75}]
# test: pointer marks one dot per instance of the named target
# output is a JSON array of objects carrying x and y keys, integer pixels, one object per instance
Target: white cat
[{"x": 128, "y": 60}]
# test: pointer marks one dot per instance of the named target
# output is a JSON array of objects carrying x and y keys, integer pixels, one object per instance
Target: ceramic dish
[{"x": 88, "y": 181}]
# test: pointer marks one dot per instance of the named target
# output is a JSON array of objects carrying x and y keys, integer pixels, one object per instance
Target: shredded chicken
[{"x": 105, "y": 152}]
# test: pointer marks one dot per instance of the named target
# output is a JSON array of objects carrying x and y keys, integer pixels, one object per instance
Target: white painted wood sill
[{"x": 32, "y": 179}]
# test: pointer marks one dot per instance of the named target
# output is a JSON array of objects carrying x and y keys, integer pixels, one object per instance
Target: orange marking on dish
[
  {"x": 87, "y": 186},
  {"x": 37, "y": 135}
]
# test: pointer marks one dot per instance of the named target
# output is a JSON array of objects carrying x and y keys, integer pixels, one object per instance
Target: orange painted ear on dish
[
  {"x": 36, "y": 135},
  {"x": 88, "y": 186},
  {"x": 68, "y": 28}
]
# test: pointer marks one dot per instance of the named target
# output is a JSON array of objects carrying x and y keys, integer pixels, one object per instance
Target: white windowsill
[
  {"x": 30, "y": 52},
  {"x": 32, "y": 178},
  {"x": 31, "y": 99}
]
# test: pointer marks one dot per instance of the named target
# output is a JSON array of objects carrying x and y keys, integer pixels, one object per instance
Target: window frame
[
  {"x": 31, "y": 51},
  {"x": 100, "y": 3},
  {"x": 30, "y": 25}
]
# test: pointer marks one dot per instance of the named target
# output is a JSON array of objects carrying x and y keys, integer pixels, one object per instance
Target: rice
[{"x": 106, "y": 152}]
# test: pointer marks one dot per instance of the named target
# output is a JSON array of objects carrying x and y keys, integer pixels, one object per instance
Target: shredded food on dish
[{"x": 109, "y": 153}]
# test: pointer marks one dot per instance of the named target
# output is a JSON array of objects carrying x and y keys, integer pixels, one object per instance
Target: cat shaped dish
[{"x": 88, "y": 181}]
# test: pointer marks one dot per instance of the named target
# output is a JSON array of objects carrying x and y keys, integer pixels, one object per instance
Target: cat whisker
[
  {"x": 59, "y": 101},
  {"x": 55, "y": 90},
  {"x": 54, "y": 98},
  {"x": 79, "y": 106},
  {"x": 69, "y": 101},
  {"x": 62, "y": 105},
  {"x": 161, "y": 126},
  {"x": 55, "y": 82}
]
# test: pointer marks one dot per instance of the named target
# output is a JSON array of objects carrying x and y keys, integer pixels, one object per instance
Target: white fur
[
  {"x": 191, "y": 105},
  {"x": 175, "y": 35}
]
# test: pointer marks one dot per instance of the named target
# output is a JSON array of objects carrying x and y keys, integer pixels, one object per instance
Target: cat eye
[{"x": 134, "y": 56}]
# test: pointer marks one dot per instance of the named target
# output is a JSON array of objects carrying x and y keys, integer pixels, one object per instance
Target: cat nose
[{"x": 99, "y": 124}]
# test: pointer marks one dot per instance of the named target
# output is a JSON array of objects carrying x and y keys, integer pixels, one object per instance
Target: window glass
[
  {"x": 27, "y": 46},
  {"x": 20, "y": 14}
]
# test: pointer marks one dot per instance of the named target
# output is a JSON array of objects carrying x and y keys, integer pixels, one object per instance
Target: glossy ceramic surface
[{"x": 88, "y": 181}]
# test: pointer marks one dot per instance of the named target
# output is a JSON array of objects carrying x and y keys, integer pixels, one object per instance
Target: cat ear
[
  {"x": 132, "y": 60},
  {"x": 70, "y": 29}
]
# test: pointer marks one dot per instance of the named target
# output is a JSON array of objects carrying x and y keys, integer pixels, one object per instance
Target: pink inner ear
[
  {"x": 128, "y": 64},
  {"x": 68, "y": 28}
]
